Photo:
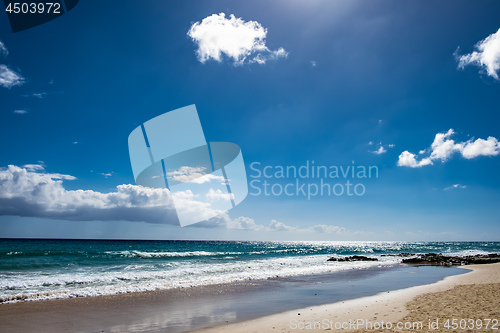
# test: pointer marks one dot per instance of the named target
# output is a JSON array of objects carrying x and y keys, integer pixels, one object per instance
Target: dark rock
[
  {"x": 441, "y": 260},
  {"x": 353, "y": 258}
]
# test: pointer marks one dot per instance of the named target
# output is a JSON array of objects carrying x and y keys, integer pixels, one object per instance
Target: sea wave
[
  {"x": 34, "y": 270},
  {"x": 144, "y": 254},
  {"x": 150, "y": 278}
]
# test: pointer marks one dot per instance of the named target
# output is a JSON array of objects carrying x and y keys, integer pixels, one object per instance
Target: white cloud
[
  {"x": 39, "y": 95},
  {"x": 408, "y": 159},
  {"x": 245, "y": 223},
  {"x": 319, "y": 228},
  {"x": 280, "y": 226},
  {"x": 328, "y": 229},
  {"x": 442, "y": 148},
  {"x": 241, "y": 41},
  {"x": 9, "y": 78},
  {"x": 3, "y": 50},
  {"x": 313, "y": 63},
  {"x": 273, "y": 55},
  {"x": 382, "y": 149},
  {"x": 32, "y": 192},
  {"x": 20, "y": 111},
  {"x": 481, "y": 147},
  {"x": 106, "y": 175},
  {"x": 193, "y": 174},
  {"x": 34, "y": 167},
  {"x": 455, "y": 186},
  {"x": 26, "y": 192},
  {"x": 487, "y": 55},
  {"x": 214, "y": 195},
  {"x": 225, "y": 222}
]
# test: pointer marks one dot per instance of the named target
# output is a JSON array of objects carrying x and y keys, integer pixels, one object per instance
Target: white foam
[
  {"x": 144, "y": 254},
  {"x": 148, "y": 277},
  {"x": 464, "y": 253}
]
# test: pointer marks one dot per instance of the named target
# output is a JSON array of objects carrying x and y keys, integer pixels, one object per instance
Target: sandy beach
[{"x": 474, "y": 295}]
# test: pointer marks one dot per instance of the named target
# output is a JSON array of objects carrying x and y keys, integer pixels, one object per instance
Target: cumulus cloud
[
  {"x": 481, "y": 147},
  {"x": 280, "y": 226},
  {"x": 31, "y": 191},
  {"x": 9, "y": 78},
  {"x": 409, "y": 160},
  {"x": 443, "y": 147},
  {"x": 486, "y": 56},
  {"x": 240, "y": 41},
  {"x": 382, "y": 149}
]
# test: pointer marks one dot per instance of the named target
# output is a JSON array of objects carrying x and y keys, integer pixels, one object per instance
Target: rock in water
[
  {"x": 353, "y": 258},
  {"x": 437, "y": 259}
]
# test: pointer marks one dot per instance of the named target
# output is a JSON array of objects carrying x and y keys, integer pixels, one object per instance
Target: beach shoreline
[
  {"x": 191, "y": 308},
  {"x": 398, "y": 306},
  {"x": 166, "y": 311},
  {"x": 176, "y": 287}
]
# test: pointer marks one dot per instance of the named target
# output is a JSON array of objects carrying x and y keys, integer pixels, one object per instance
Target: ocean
[{"x": 50, "y": 269}]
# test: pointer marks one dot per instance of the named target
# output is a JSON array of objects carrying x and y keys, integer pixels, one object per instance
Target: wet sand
[{"x": 474, "y": 295}]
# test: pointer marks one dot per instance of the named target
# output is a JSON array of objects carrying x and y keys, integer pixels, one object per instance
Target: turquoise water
[{"x": 45, "y": 269}]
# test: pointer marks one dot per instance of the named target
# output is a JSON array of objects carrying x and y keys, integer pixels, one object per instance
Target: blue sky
[{"x": 333, "y": 82}]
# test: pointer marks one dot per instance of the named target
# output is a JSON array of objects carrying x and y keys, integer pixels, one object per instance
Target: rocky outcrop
[
  {"x": 353, "y": 258},
  {"x": 437, "y": 259}
]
